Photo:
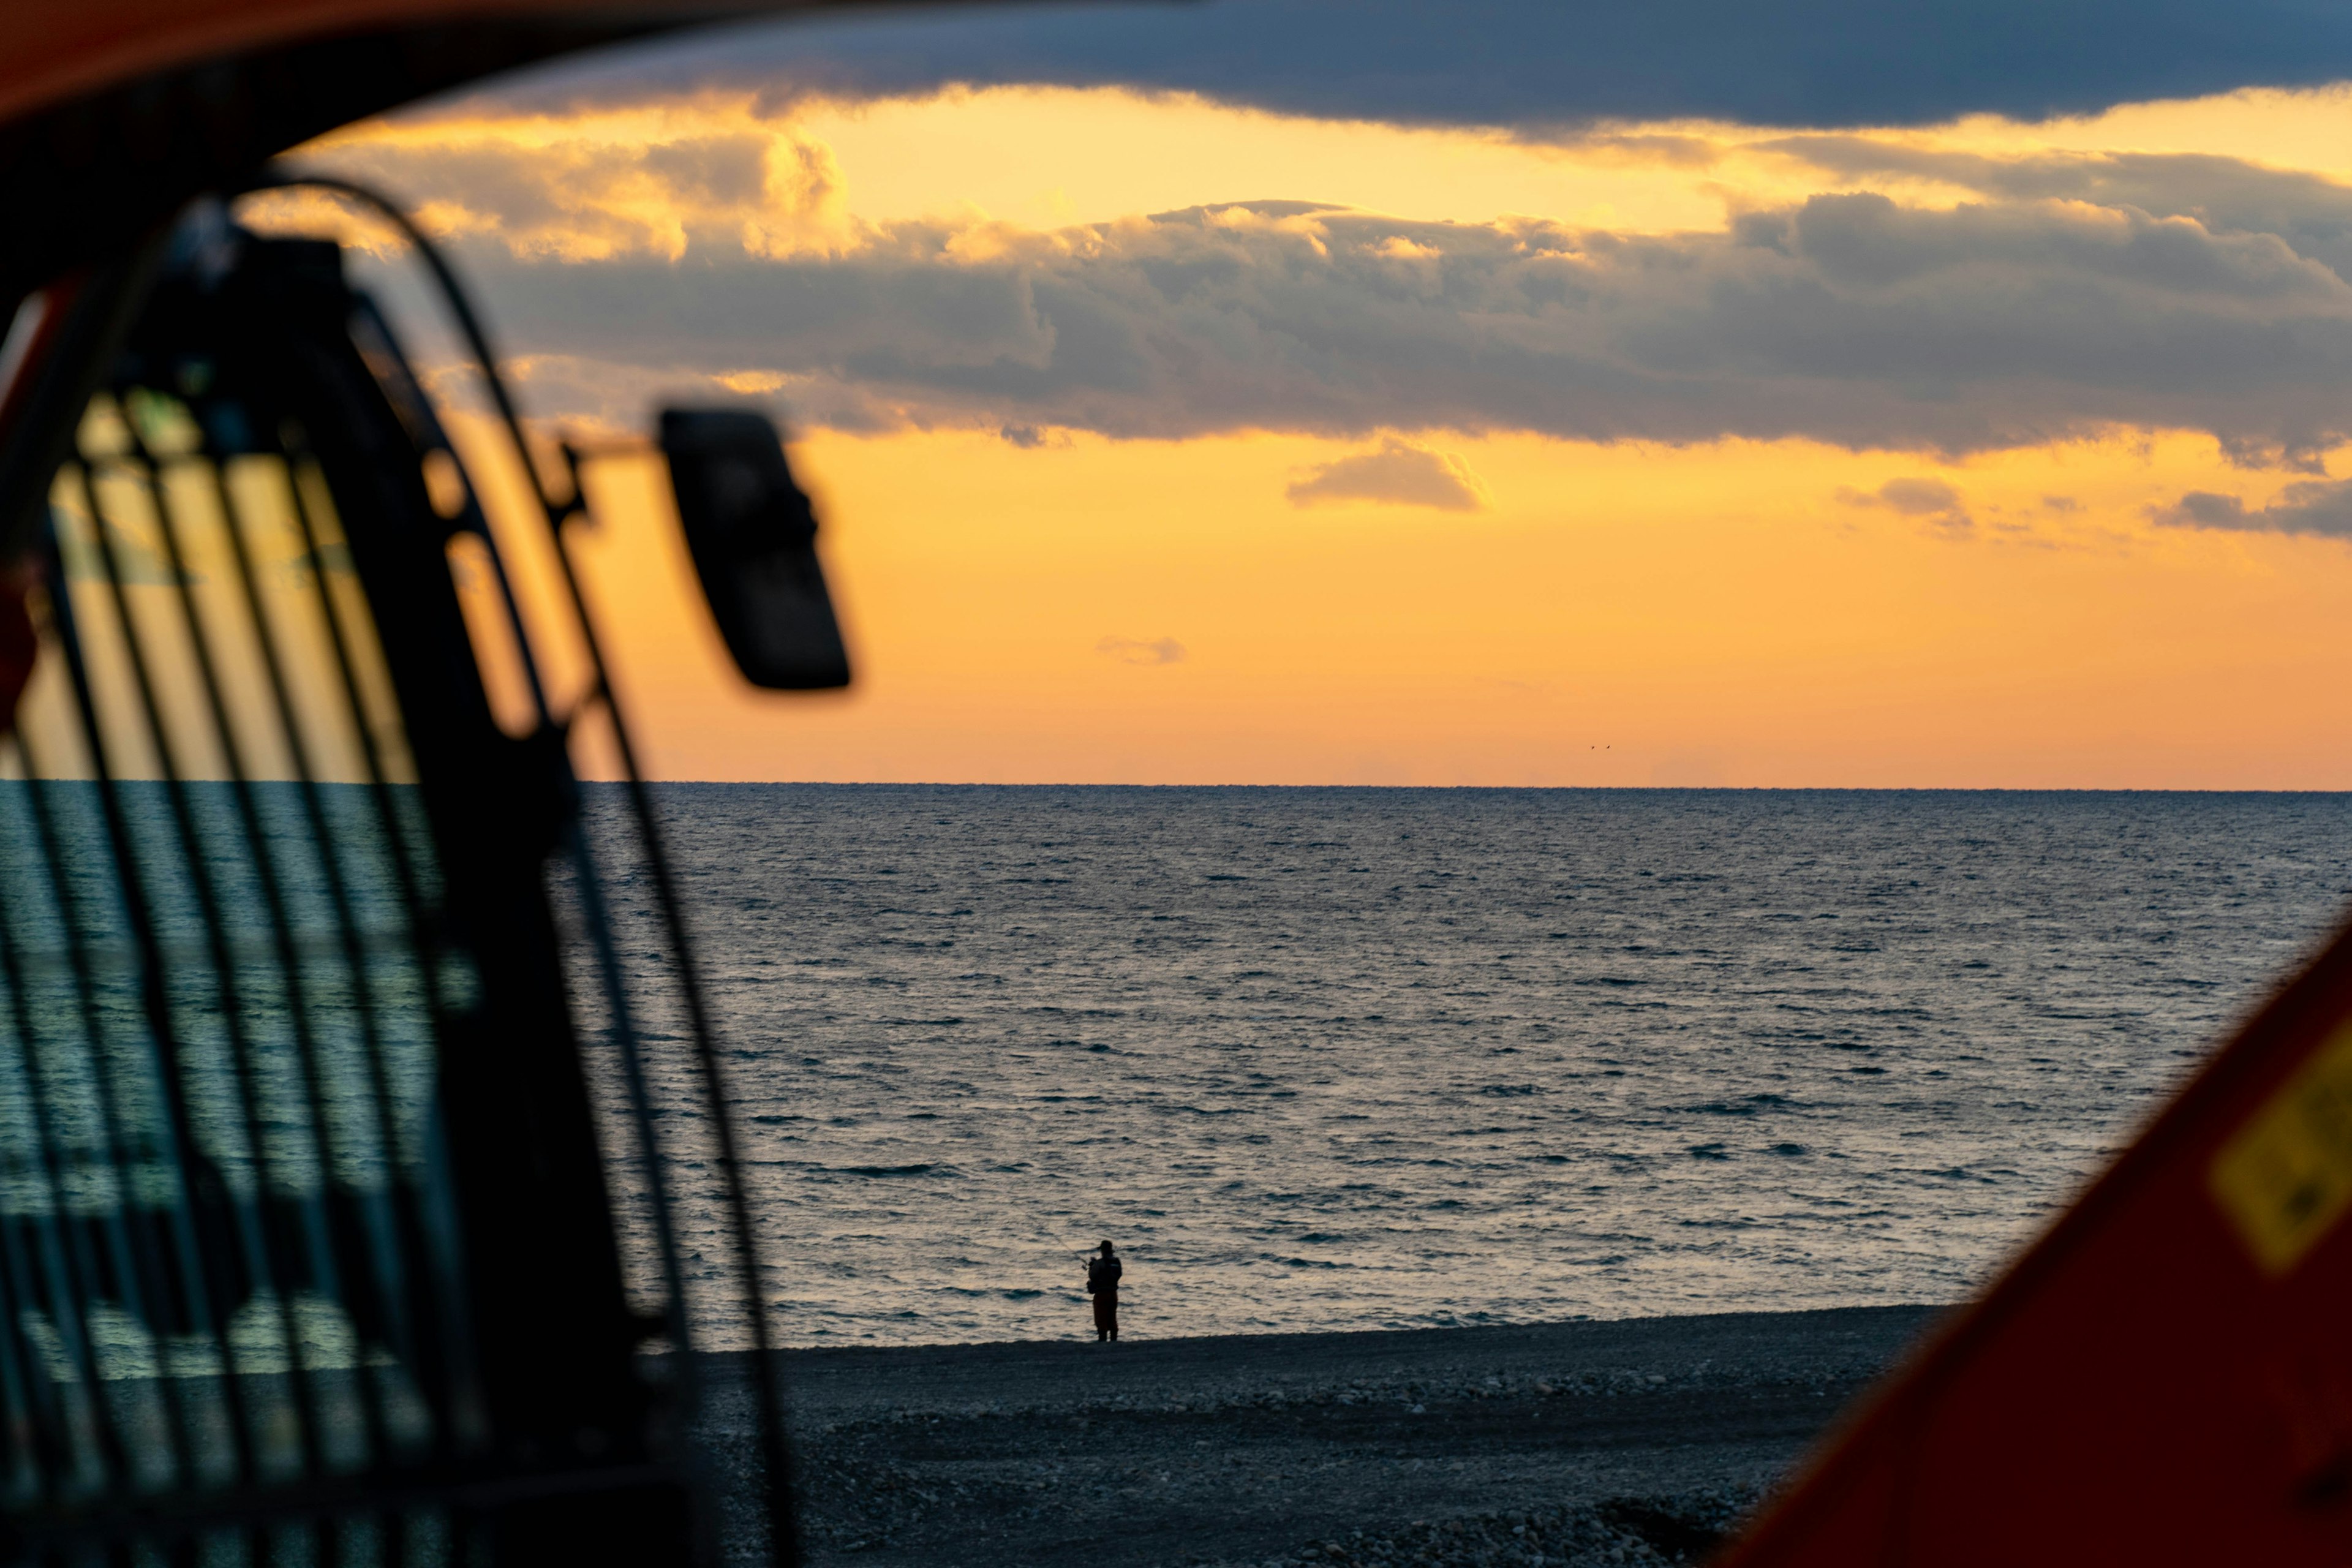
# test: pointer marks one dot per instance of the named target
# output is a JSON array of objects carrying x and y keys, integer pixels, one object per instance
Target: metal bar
[
  {"x": 24, "y": 1434},
  {"x": 66, "y": 1261},
  {"x": 58, "y": 1286},
  {"x": 249, "y": 1214},
  {"x": 206, "y": 1296},
  {"x": 146, "y": 1274},
  {"x": 90, "y": 314},
  {"x": 202, "y": 637},
  {"x": 390, "y": 1287},
  {"x": 52, "y": 1439},
  {"x": 774, "y": 1456},
  {"x": 74, "y": 1283},
  {"x": 201, "y": 1289},
  {"x": 597, "y": 918},
  {"x": 442, "y": 1376}
]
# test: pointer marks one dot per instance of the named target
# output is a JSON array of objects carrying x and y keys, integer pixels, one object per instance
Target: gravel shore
[{"x": 1559, "y": 1444}]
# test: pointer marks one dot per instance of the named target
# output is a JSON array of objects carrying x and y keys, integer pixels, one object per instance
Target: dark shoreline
[{"x": 1480, "y": 1444}]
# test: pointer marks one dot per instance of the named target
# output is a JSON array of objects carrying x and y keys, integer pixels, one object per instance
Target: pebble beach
[{"x": 1561, "y": 1443}]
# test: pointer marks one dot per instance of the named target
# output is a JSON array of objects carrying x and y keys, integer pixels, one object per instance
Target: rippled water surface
[{"x": 1354, "y": 1059}]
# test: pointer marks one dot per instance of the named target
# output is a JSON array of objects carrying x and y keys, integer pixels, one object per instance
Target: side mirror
[{"x": 753, "y": 539}]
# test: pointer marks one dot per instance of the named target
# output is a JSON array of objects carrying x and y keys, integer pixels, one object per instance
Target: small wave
[
  {"x": 1748, "y": 1105},
  {"x": 922, "y": 1170}
]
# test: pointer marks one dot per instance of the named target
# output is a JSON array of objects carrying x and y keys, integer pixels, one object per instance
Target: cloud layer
[
  {"x": 1847, "y": 318},
  {"x": 1135, "y": 650},
  {"x": 1932, "y": 501},
  {"x": 1398, "y": 474},
  {"x": 2313, "y": 507},
  {"x": 1973, "y": 300}
]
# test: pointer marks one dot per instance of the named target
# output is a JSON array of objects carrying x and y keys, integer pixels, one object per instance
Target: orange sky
[{"x": 1094, "y": 606}]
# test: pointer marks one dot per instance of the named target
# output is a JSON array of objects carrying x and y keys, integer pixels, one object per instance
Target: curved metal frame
[{"x": 554, "y": 514}]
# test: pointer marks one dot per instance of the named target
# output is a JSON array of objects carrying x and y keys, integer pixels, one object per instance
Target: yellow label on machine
[{"x": 2285, "y": 1177}]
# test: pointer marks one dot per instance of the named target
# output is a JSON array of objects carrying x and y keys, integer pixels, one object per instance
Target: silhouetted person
[{"x": 1102, "y": 1284}]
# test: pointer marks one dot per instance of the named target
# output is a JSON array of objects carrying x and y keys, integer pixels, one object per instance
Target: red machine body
[{"x": 2166, "y": 1376}]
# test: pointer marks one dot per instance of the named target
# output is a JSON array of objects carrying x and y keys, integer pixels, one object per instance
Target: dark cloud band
[
  {"x": 2316, "y": 507},
  {"x": 1849, "y": 320},
  {"x": 1539, "y": 64}
]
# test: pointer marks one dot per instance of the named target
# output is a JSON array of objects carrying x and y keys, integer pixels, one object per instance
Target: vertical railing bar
[
  {"x": 765, "y": 1389},
  {"x": 231, "y": 1008},
  {"x": 201, "y": 638},
  {"x": 135, "y": 1219},
  {"x": 148, "y": 1271},
  {"x": 128, "y": 1229},
  {"x": 67, "y": 1260},
  {"x": 16, "y": 1387},
  {"x": 522, "y": 638},
  {"x": 205, "y": 1295},
  {"x": 78, "y": 1254},
  {"x": 424, "y": 931},
  {"x": 598, "y": 920},
  {"x": 315, "y": 1225},
  {"x": 48, "y": 1425},
  {"x": 70, "y": 1322},
  {"x": 390, "y": 1288}
]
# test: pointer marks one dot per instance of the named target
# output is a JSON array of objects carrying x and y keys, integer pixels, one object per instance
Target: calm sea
[{"x": 1342, "y": 1058}]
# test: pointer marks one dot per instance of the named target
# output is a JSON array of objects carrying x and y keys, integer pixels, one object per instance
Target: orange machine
[
  {"x": 337, "y": 1219},
  {"x": 2165, "y": 1377}
]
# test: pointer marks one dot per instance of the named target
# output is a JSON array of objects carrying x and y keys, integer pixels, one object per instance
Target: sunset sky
[{"x": 1175, "y": 419}]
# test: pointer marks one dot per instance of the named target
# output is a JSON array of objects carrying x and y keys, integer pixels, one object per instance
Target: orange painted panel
[
  {"x": 2165, "y": 1377},
  {"x": 52, "y": 49}
]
